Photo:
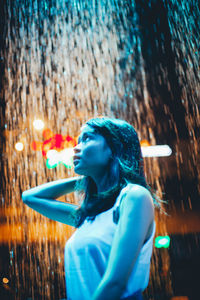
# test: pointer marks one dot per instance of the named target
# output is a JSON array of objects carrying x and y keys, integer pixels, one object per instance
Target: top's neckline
[{"x": 121, "y": 193}]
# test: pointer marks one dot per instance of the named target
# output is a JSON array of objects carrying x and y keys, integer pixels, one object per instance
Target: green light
[
  {"x": 162, "y": 241},
  {"x": 51, "y": 164},
  {"x": 67, "y": 166}
]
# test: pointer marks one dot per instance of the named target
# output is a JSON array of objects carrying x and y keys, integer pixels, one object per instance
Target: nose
[{"x": 77, "y": 149}]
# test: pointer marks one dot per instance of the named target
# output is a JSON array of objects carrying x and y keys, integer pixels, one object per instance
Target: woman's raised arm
[{"x": 42, "y": 199}]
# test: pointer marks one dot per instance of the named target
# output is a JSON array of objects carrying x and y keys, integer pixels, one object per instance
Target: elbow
[
  {"x": 25, "y": 197},
  {"x": 120, "y": 286},
  {"x": 116, "y": 284}
]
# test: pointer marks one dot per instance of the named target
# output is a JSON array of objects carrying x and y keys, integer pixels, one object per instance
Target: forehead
[{"x": 86, "y": 128}]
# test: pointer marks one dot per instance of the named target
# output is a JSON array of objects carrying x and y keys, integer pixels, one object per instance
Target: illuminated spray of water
[
  {"x": 67, "y": 62},
  {"x": 186, "y": 49}
]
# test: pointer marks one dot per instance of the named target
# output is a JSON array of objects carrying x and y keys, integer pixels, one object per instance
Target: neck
[{"x": 105, "y": 182}]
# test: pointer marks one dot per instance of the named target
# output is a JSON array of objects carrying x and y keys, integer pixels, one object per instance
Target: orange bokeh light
[{"x": 145, "y": 143}]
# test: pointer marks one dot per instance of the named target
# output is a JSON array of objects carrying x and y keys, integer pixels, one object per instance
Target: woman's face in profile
[{"x": 92, "y": 153}]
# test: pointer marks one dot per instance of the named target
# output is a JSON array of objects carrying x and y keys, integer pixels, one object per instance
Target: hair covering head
[{"x": 122, "y": 139}]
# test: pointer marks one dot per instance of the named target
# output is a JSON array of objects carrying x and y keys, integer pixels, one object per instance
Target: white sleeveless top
[{"x": 87, "y": 252}]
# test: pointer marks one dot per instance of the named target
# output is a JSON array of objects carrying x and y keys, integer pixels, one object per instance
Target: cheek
[
  {"x": 91, "y": 154},
  {"x": 96, "y": 154}
]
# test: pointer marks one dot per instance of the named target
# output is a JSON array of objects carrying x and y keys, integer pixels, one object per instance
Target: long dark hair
[{"x": 126, "y": 165}]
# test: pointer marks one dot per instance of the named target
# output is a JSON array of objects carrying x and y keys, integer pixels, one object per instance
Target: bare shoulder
[
  {"x": 137, "y": 210},
  {"x": 137, "y": 188},
  {"x": 138, "y": 195}
]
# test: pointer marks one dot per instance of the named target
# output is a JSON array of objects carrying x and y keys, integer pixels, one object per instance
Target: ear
[
  {"x": 108, "y": 149},
  {"x": 114, "y": 168}
]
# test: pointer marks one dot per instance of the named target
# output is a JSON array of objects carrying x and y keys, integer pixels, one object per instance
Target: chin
[{"x": 79, "y": 171}]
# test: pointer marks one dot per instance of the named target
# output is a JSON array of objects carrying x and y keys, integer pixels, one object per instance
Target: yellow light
[
  {"x": 52, "y": 153},
  {"x": 66, "y": 156},
  {"x": 19, "y": 146},
  {"x": 5, "y": 280},
  {"x": 38, "y": 124}
]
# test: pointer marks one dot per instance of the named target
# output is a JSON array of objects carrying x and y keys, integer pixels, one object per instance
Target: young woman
[{"x": 108, "y": 256}]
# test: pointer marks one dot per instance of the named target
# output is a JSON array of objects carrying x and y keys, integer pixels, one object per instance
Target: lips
[{"x": 76, "y": 158}]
